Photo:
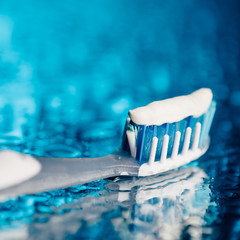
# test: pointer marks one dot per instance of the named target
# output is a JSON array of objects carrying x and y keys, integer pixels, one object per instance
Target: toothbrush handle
[{"x": 64, "y": 172}]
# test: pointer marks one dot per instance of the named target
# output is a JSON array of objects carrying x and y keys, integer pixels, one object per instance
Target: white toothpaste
[
  {"x": 173, "y": 109},
  {"x": 16, "y": 168}
]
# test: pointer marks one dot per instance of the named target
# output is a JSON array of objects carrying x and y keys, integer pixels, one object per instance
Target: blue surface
[{"x": 69, "y": 73}]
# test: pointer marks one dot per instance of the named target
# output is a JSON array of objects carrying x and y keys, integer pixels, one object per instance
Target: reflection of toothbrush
[
  {"x": 129, "y": 202},
  {"x": 161, "y": 205},
  {"x": 167, "y": 185},
  {"x": 161, "y": 136}
]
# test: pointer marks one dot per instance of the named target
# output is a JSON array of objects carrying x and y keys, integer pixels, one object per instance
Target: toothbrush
[{"x": 161, "y": 136}]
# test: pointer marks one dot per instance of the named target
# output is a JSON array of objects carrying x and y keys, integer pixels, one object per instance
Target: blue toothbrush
[{"x": 157, "y": 138}]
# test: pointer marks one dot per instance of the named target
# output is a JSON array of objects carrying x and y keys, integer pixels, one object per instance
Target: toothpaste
[
  {"x": 173, "y": 109},
  {"x": 16, "y": 167}
]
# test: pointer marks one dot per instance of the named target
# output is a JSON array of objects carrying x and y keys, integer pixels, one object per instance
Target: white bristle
[
  {"x": 126, "y": 124},
  {"x": 164, "y": 148},
  {"x": 186, "y": 140},
  {"x": 209, "y": 122},
  {"x": 132, "y": 142},
  {"x": 176, "y": 144},
  {"x": 196, "y": 136},
  {"x": 153, "y": 151}
]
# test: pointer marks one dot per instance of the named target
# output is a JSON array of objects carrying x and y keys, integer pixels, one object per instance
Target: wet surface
[{"x": 66, "y": 87}]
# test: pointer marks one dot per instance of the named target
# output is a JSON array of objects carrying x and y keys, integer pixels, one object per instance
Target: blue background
[{"x": 71, "y": 70}]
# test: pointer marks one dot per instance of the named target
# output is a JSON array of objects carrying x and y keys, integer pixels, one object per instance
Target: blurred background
[{"x": 71, "y": 70}]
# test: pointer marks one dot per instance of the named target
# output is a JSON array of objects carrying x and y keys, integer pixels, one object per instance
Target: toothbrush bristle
[{"x": 167, "y": 141}]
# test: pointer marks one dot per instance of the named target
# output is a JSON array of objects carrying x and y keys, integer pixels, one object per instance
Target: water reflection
[
  {"x": 158, "y": 207},
  {"x": 166, "y": 206}
]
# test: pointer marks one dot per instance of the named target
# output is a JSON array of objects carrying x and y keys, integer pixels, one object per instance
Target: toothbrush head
[{"x": 168, "y": 134}]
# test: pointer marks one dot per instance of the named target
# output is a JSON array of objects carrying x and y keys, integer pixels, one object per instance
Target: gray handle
[{"x": 64, "y": 172}]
